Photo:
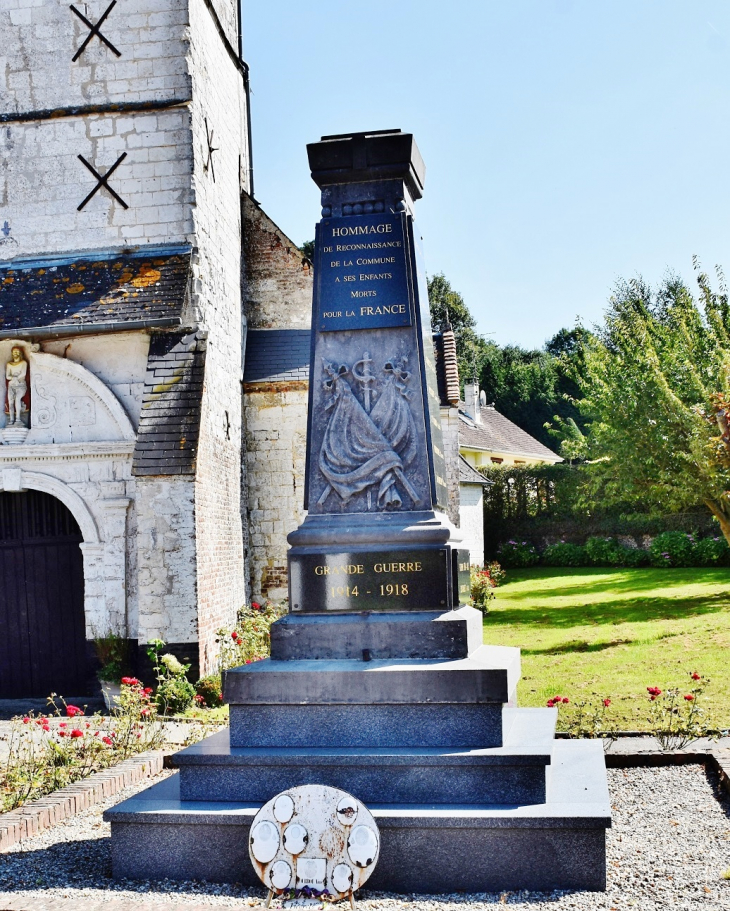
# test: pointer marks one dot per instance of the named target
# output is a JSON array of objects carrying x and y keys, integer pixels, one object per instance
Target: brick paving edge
[{"x": 37, "y": 815}]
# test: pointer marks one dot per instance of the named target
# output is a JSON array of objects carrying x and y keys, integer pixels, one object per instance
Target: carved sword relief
[{"x": 368, "y": 444}]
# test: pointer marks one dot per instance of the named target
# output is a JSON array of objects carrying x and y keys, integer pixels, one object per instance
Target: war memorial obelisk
[{"x": 378, "y": 682}]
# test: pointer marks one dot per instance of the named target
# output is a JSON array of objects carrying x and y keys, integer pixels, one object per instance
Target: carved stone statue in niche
[{"x": 16, "y": 374}]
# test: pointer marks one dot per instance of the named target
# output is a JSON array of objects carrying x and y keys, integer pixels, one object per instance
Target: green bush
[
  {"x": 711, "y": 552},
  {"x": 672, "y": 548},
  {"x": 516, "y": 554},
  {"x": 175, "y": 692},
  {"x": 565, "y": 554},
  {"x": 210, "y": 690},
  {"x": 634, "y": 557},
  {"x": 604, "y": 552},
  {"x": 174, "y": 695}
]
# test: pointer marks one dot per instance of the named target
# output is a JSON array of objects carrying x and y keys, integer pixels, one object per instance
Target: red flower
[
  {"x": 62, "y": 724},
  {"x": 234, "y": 635},
  {"x": 696, "y": 676},
  {"x": 77, "y": 733},
  {"x": 26, "y": 720},
  {"x": 45, "y": 728},
  {"x": 566, "y": 700},
  {"x": 199, "y": 699},
  {"x": 107, "y": 740},
  {"x": 653, "y": 691},
  {"x": 147, "y": 691},
  {"x": 144, "y": 713},
  {"x": 607, "y": 702},
  {"x": 255, "y": 605},
  {"x": 73, "y": 710},
  {"x": 61, "y": 733},
  {"x": 689, "y": 697},
  {"x": 130, "y": 681}
]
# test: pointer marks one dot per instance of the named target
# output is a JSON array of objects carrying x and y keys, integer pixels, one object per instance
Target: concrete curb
[{"x": 37, "y": 815}]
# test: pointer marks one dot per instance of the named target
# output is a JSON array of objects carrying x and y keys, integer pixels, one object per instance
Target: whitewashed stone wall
[
  {"x": 276, "y": 434},
  {"x": 79, "y": 449},
  {"x": 42, "y": 182},
  {"x": 165, "y": 526},
  {"x": 218, "y": 110},
  {"x": 189, "y": 547},
  {"x": 472, "y": 521},
  {"x": 450, "y": 433},
  {"x": 41, "y": 37}
]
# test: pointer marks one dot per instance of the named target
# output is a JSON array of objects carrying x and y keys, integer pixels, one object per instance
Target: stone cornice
[{"x": 53, "y": 452}]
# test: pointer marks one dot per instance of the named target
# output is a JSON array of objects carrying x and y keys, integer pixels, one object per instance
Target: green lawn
[{"x": 590, "y": 633}]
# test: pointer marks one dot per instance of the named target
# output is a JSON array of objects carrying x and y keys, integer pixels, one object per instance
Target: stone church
[
  {"x": 154, "y": 342},
  {"x": 125, "y": 211}
]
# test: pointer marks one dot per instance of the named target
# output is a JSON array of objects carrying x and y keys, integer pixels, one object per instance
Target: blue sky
[{"x": 567, "y": 143}]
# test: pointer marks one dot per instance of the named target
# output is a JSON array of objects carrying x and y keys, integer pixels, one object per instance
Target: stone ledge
[{"x": 37, "y": 815}]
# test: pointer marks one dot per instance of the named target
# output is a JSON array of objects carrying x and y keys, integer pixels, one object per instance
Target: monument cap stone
[{"x": 363, "y": 157}]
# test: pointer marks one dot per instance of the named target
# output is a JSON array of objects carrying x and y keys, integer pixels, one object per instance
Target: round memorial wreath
[{"x": 314, "y": 840}]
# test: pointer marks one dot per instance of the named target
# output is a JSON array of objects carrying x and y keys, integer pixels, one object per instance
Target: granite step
[
  {"x": 557, "y": 844},
  {"x": 387, "y": 703},
  {"x": 512, "y": 774}
]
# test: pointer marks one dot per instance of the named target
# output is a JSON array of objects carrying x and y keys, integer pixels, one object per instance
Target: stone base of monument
[{"x": 469, "y": 792}]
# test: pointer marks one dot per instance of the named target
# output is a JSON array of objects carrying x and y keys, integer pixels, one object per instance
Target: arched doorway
[{"x": 42, "y": 629}]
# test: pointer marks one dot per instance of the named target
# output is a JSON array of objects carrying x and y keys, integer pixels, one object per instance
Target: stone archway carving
[
  {"x": 15, "y": 479},
  {"x": 68, "y": 403}
]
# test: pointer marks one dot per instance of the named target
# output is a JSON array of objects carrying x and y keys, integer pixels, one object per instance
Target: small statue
[{"x": 16, "y": 373}]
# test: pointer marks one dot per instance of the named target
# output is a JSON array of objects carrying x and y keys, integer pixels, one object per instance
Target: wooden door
[{"x": 42, "y": 631}]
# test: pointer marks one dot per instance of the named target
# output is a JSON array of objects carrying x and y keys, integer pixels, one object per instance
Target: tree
[
  {"x": 448, "y": 308},
  {"x": 656, "y": 387},
  {"x": 535, "y": 389}
]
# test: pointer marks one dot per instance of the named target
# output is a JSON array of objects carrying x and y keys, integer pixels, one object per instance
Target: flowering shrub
[
  {"x": 208, "y": 691},
  {"x": 482, "y": 587},
  {"x": 676, "y": 717},
  {"x": 672, "y": 548},
  {"x": 518, "y": 554},
  {"x": 251, "y": 639},
  {"x": 711, "y": 552},
  {"x": 496, "y": 573},
  {"x": 175, "y": 692},
  {"x": 46, "y": 752},
  {"x": 586, "y": 719}
]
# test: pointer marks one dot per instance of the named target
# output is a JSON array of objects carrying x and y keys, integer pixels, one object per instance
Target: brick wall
[
  {"x": 277, "y": 295},
  {"x": 277, "y": 288}
]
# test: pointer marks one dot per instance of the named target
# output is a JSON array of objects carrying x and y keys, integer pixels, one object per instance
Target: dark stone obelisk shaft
[{"x": 375, "y": 538}]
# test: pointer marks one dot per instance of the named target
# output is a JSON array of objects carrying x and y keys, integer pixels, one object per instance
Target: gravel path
[{"x": 668, "y": 848}]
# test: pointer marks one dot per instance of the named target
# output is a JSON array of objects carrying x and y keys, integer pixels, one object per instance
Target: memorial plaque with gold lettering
[
  {"x": 370, "y": 580},
  {"x": 362, "y": 273}
]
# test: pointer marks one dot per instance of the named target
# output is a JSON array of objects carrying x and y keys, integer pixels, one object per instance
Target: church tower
[{"x": 124, "y": 153}]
